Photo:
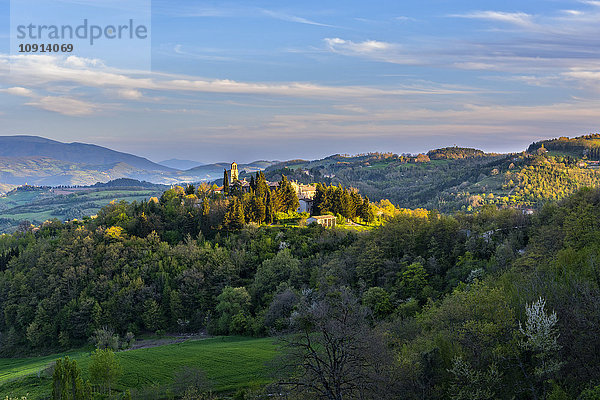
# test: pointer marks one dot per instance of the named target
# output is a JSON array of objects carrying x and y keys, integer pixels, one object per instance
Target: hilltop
[
  {"x": 180, "y": 164},
  {"x": 43, "y": 162},
  {"x": 21, "y": 147},
  {"x": 456, "y": 178},
  {"x": 586, "y": 146}
]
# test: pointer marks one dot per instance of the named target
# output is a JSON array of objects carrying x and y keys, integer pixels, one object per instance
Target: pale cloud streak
[
  {"x": 46, "y": 70},
  {"x": 293, "y": 18},
  {"x": 371, "y": 49},
  {"x": 514, "y": 18},
  {"x": 64, "y": 106},
  {"x": 59, "y": 104}
]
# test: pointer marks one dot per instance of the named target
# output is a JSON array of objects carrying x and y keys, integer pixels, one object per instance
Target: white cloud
[
  {"x": 521, "y": 43},
  {"x": 64, "y": 105},
  {"x": 130, "y": 94},
  {"x": 351, "y": 108},
  {"x": 404, "y": 18},
  {"x": 368, "y": 46},
  {"x": 60, "y": 104},
  {"x": 372, "y": 49},
  {"x": 18, "y": 91},
  {"x": 573, "y": 12},
  {"x": 80, "y": 62},
  {"x": 586, "y": 78}
]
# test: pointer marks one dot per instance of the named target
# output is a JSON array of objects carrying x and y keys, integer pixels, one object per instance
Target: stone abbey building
[{"x": 306, "y": 193}]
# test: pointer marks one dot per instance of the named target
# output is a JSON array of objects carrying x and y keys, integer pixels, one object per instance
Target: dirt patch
[{"x": 169, "y": 339}]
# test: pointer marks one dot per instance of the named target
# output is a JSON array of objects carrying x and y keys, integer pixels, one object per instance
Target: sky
[{"x": 249, "y": 80}]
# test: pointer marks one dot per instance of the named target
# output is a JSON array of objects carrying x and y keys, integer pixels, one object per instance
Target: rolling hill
[
  {"x": 176, "y": 163},
  {"x": 78, "y": 153},
  {"x": 455, "y": 178},
  {"x": 447, "y": 179},
  {"x": 43, "y": 162}
]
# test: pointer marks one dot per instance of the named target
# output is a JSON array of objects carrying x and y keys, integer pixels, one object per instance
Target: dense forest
[
  {"x": 456, "y": 179},
  {"x": 485, "y": 305},
  {"x": 582, "y": 146}
]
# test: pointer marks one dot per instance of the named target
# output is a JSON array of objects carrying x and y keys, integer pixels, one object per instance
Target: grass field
[{"x": 230, "y": 363}]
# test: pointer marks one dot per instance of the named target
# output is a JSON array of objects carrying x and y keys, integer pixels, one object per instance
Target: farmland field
[
  {"x": 230, "y": 363},
  {"x": 40, "y": 204}
]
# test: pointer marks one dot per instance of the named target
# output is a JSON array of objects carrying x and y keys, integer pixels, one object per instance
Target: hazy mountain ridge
[
  {"x": 447, "y": 179},
  {"x": 43, "y": 162},
  {"x": 79, "y": 153},
  {"x": 183, "y": 165}
]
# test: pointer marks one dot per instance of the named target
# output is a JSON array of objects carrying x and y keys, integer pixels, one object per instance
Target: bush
[{"x": 105, "y": 338}]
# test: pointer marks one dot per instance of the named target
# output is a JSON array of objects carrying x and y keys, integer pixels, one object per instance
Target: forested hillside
[
  {"x": 494, "y": 304},
  {"x": 456, "y": 179}
]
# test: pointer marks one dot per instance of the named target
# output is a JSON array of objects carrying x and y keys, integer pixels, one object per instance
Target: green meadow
[{"x": 230, "y": 364}]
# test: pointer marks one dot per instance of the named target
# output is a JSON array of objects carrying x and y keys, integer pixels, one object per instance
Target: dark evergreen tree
[
  {"x": 257, "y": 210},
  {"x": 234, "y": 218},
  {"x": 190, "y": 189},
  {"x": 287, "y": 196},
  {"x": 261, "y": 185},
  {"x": 355, "y": 203},
  {"x": 366, "y": 213},
  {"x": 225, "y": 182},
  {"x": 67, "y": 383},
  {"x": 204, "y": 217},
  {"x": 337, "y": 200},
  {"x": 319, "y": 201},
  {"x": 269, "y": 207},
  {"x": 345, "y": 204}
]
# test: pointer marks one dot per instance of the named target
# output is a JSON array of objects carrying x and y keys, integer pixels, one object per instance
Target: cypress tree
[
  {"x": 319, "y": 200},
  {"x": 204, "y": 217},
  {"x": 190, "y": 189},
  {"x": 257, "y": 209},
  {"x": 269, "y": 211},
  {"x": 337, "y": 200},
  {"x": 346, "y": 204},
  {"x": 287, "y": 195},
  {"x": 225, "y": 182},
  {"x": 234, "y": 218},
  {"x": 261, "y": 186},
  {"x": 365, "y": 211},
  {"x": 67, "y": 383},
  {"x": 355, "y": 204}
]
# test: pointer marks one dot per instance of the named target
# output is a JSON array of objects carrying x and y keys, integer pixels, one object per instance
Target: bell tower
[{"x": 234, "y": 172}]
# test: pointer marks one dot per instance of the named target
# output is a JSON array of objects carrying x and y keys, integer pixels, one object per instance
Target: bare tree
[{"x": 334, "y": 353}]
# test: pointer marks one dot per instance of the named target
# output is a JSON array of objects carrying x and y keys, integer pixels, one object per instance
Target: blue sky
[{"x": 279, "y": 80}]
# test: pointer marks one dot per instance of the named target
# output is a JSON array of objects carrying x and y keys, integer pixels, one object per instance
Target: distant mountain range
[
  {"x": 447, "y": 179},
  {"x": 180, "y": 164},
  {"x": 78, "y": 153},
  {"x": 39, "y": 161}
]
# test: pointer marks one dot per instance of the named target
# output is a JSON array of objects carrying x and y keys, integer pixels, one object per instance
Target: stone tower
[{"x": 234, "y": 172}]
